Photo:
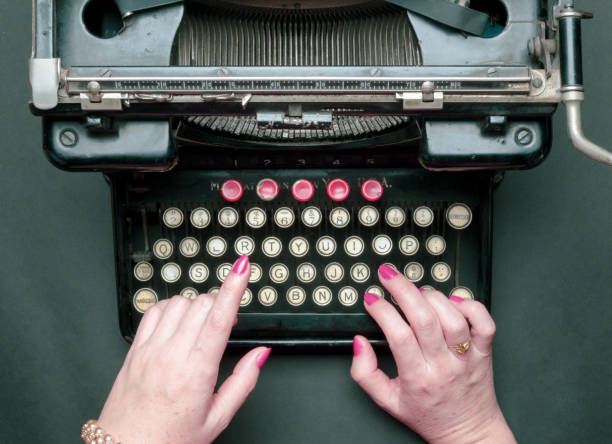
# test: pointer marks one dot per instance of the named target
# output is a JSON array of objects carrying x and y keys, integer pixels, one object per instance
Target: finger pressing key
[
  {"x": 419, "y": 313},
  {"x": 216, "y": 329}
]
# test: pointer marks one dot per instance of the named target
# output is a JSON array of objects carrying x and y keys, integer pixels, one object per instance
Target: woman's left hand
[{"x": 165, "y": 389}]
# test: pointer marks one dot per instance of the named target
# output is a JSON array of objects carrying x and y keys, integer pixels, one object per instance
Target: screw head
[
  {"x": 68, "y": 138},
  {"x": 524, "y": 136}
]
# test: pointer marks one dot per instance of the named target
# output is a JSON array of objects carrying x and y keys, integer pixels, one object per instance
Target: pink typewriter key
[
  {"x": 232, "y": 190},
  {"x": 338, "y": 190},
  {"x": 267, "y": 189},
  {"x": 303, "y": 190},
  {"x": 372, "y": 190}
]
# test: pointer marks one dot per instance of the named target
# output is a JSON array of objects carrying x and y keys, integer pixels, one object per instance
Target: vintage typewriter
[{"x": 320, "y": 138}]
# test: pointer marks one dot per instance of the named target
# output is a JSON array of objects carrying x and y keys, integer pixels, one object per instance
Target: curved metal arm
[{"x": 573, "y": 105}]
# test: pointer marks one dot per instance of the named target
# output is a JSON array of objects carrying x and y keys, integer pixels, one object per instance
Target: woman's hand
[
  {"x": 164, "y": 392},
  {"x": 444, "y": 396}
]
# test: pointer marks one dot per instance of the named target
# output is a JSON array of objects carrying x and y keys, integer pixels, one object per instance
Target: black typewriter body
[{"x": 174, "y": 100}]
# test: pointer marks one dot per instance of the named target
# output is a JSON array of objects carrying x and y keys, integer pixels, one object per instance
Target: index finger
[{"x": 218, "y": 324}]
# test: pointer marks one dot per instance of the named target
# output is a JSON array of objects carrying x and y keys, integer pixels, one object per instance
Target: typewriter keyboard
[{"x": 315, "y": 240}]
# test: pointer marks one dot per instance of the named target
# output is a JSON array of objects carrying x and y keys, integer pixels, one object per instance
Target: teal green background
[{"x": 60, "y": 346}]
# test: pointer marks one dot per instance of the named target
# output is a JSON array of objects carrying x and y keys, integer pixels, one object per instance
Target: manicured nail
[
  {"x": 386, "y": 272},
  {"x": 456, "y": 299},
  {"x": 356, "y": 347},
  {"x": 370, "y": 298},
  {"x": 421, "y": 290},
  {"x": 241, "y": 265},
  {"x": 263, "y": 357}
]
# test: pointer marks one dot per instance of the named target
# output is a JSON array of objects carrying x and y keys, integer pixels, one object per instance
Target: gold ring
[{"x": 462, "y": 348}]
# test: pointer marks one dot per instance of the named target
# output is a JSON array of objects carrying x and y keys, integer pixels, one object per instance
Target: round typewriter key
[
  {"x": 173, "y": 217},
  {"x": 462, "y": 292},
  {"x": 267, "y": 296},
  {"x": 162, "y": 249},
  {"x": 423, "y": 216},
  {"x": 306, "y": 272},
  {"x": 284, "y": 217},
  {"x": 271, "y": 246},
  {"x": 347, "y": 296},
  {"x": 312, "y": 217},
  {"x": 216, "y": 246},
  {"x": 390, "y": 265},
  {"x": 339, "y": 217},
  {"x": 354, "y": 246},
  {"x": 326, "y": 246},
  {"x": 338, "y": 190},
  {"x": 296, "y": 296},
  {"x": 303, "y": 190},
  {"x": 372, "y": 190},
  {"x": 228, "y": 217},
  {"x": 279, "y": 273},
  {"x": 409, "y": 245},
  {"x": 368, "y": 216},
  {"x": 414, "y": 271},
  {"x": 298, "y": 246},
  {"x": 144, "y": 299},
  {"x": 322, "y": 296},
  {"x": 232, "y": 190},
  {"x": 171, "y": 272},
  {"x": 441, "y": 272},
  {"x": 200, "y": 218},
  {"x": 244, "y": 245},
  {"x": 395, "y": 217},
  {"x": 267, "y": 189},
  {"x": 334, "y": 272},
  {"x": 198, "y": 273},
  {"x": 213, "y": 290},
  {"x": 428, "y": 288},
  {"x": 246, "y": 298},
  {"x": 189, "y": 293},
  {"x": 256, "y": 217},
  {"x": 256, "y": 273},
  {"x": 223, "y": 271},
  {"x": 435, "y": 245},
  {"x": 189, "y": 247},
  {"x": 375, "y": 289},
  {"x": 382, "y": 244},
  {"x": 143, "y": 271},
  {"x": 459, "y": 216},
  {"x": 360, "y": 272}
]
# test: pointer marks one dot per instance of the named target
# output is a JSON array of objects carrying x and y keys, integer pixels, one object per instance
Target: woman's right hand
[{"x": 444, "y": 396}]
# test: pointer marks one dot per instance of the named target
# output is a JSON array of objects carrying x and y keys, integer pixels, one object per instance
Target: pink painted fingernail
[
  {"x": 387, "y": 272},
  {"x": 421, "y": 290},
  {"x": 263, "y": 357},
  {"x": 456, "y": 299},
  {"x": 370, "y": 298},
  {"x": 356, "y": 346},
  {"x": 241, "y": 265}
]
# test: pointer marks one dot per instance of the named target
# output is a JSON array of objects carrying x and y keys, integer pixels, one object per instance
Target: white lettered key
[
  {"x": 189, "y": 293},
  {"x": 360, "y": 272},
  {"x": 216, "y": 246},
  {"x": 144, "y": 299},
  {"x": 279, "y": 273},
  {"x": 354, "y": 246},
  {"x": 306, "y": 272},
  {"x": 256, "y": 217},
  {"x": 256, "y": 273},
  {"x": 267, "y": 296},
  {"x": 298, "y": 246},
  {"x": 409, "y": 245},
  {"x": 143, "y": 271},
  {"x": 339, "y": 217},
  {"x": 414, "y": 271},
  {"x": 228, "y": 217},
  {"x": 322, "y": 295},
  {"x": 223, "y": 271},
  {"x": 271, "y": 246},
  {"x": 435, "y": 245},
  {"x": 462, "y": 292},
  {"x": 375, "y": 289},
  {"x": 198, "y": 273},
  {"x": 296, "y": 296},
  {"x": 441, "y": 272},
  {"x": 334, "y": 272},
  {"x": 312, "y": 217},
  {"x": 189, "y": 247},
  {"x": 244, "y": 245},
  {"x": 162, "y": 249},
  {"x": 382, "y": 244},
  {"x": 395, "y": 217},
  {"x": 326, "y": 246},
  {"x": 368, "y": 216},
  {"x": 246, "y": 298},
  {"x": 459, "y": 216},
  {"x": 284, "y": 217},
  {"x": 173, "y": 217},
  {"x": 423, "y": 216},
  {"x": 347, "y": 296},
  {"x": 171, "y": 272},
  {"x": 200, "y": 218}
]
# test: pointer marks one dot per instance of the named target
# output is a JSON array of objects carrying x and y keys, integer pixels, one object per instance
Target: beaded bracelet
[{"x": 92, "y": 434}]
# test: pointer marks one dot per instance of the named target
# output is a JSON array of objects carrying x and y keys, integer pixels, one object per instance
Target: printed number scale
[{"x": 315, "y": 239}]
